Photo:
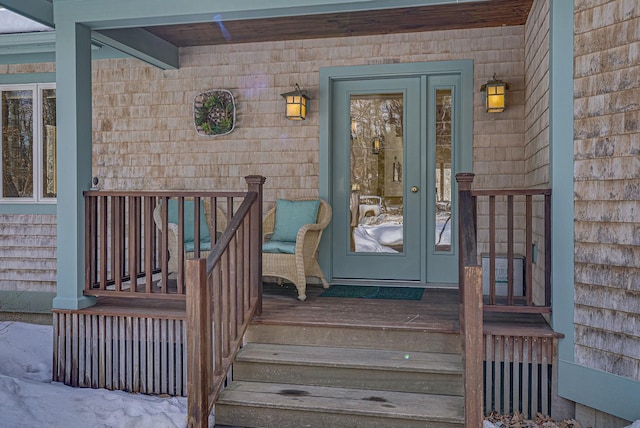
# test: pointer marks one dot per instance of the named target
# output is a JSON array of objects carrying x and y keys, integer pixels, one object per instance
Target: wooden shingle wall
[
  {"x": 144, "y": 136},
  {"x": 27, "y": 253},
  {"x": 536, "y": 137},
  {"x": 607, "y": 186}
]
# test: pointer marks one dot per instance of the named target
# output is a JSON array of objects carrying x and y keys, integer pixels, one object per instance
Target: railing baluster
[
  {"x": 164, "y": 246},
  {"x": 529, "y": 249},
  {"x": 104, "y": 227},
  {"x": 180, "y": 254},
  {"x": 510, "y": 245},
  {"x": 492, "y": 249},
  {"x": 149, "y": 242},
  {"x": 547, "y": 249}
]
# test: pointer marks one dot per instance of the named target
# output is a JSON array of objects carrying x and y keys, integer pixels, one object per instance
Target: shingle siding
[{"x": 607, "y": 186}]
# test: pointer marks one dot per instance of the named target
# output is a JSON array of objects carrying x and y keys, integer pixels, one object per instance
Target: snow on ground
[{"x": 29, "y": 399}]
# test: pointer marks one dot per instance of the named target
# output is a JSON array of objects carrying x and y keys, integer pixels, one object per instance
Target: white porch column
[{"x": 73, "y": 91}]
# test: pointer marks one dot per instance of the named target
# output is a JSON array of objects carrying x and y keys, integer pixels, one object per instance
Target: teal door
[{"x": 393, "y": 142}]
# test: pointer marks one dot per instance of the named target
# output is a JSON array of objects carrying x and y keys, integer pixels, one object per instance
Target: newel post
[
  {"x": 470, "y": 277},
  {"x": 254, "y": 184}
]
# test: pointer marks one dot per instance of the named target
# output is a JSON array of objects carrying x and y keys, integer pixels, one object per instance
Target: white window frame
[{"x": 38, "y": 150}]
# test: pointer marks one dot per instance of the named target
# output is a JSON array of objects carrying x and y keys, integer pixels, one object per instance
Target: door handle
[{"x": 415, "y": 189}]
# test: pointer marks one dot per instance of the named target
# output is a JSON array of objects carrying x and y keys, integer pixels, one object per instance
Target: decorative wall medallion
[{"x": 214, "y": 112}]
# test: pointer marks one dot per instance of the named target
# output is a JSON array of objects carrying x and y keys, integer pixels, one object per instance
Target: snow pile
[{"x": 29, "y": 399}]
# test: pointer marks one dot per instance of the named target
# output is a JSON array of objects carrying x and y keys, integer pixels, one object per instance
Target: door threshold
[{"x": 393, "y": 283}]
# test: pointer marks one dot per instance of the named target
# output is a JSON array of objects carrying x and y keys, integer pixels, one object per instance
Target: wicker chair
[
  {"x": 303, "y": 262},
  {"x": 172, "y": 238}
]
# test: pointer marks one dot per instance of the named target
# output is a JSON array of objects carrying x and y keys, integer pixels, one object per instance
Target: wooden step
[
  {"x": 355, "y": 337},
  {"x": 265, "y": 405},
  {"x": 402, "y": 371}
]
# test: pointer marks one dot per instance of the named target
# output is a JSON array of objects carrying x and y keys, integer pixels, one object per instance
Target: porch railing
[
  {"x": 524, "y": 218},
  {"x": 515, "y": 280},
  {"x": 127, "y": 250},
  {"x": 224, "y": 291}
]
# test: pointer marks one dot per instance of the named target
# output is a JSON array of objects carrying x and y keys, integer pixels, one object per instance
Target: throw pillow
[{"x": 291, "y": 216}]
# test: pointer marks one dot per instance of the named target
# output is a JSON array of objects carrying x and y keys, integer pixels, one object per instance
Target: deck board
[{"x": 436, "y": 311}]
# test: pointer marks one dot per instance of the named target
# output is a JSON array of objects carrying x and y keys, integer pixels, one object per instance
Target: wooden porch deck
[{"x": 436, "y": 311}]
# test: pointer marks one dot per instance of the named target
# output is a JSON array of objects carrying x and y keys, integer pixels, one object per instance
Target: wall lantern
[
  {"x": 494, "y": 92},
  {"x": 296, "y": 104}
]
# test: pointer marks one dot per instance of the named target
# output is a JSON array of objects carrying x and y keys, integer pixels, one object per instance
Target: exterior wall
[
  {"x": 27, "y": 241},
  {"x": 28, "y": 253},
  {"x": 536, "y": 138},
  {"x": 607, "y": 186},
  {"x": 144, "y": 137}
]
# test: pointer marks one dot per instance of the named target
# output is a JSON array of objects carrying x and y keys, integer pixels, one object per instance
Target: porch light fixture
[
  {"x": 296, "y": 103},
  {"x": 494, "y": 92}
]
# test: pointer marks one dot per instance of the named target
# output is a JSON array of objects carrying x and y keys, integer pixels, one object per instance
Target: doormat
[{"x": 372, "y": 292}]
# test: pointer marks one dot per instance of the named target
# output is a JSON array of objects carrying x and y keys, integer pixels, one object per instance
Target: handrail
[{"x": 224, "y": 291}]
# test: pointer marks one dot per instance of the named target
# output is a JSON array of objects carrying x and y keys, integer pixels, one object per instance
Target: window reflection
[
  {"x": 376, "y": 159},
  {"x": 443, "y": 170}
]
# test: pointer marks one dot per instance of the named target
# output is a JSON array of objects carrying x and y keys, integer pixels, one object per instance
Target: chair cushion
[
  {"x": 172, "y": 215},
  {"x": 190, "y": 246},
  {"x": 291, "y": 216},
  {"x": 279, "y": 247}
]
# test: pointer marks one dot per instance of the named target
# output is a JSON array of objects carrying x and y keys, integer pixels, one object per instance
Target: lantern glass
[
  {"x": 494, "y": 95},
  {"x": 296, "y": 104}
]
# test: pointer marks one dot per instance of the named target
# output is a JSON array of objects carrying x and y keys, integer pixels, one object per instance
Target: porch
[{"x": 149, "y": 333}]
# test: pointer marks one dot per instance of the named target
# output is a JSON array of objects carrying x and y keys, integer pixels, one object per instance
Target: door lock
[{"x": 415, "y": 189}]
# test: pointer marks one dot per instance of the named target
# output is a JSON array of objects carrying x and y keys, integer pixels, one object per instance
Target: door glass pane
[
  {"x": 443, "y": 169},
  {"x": 376, "y": 159},
  {"x": 49, "y": 143},
  {"x": 17, "y": 144}
]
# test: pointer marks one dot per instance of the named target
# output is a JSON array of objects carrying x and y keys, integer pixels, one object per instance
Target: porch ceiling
[{"x": 494, "y": 13}]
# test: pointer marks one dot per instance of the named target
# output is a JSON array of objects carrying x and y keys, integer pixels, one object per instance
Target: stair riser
[
  {"x": 355, "y": 338},
  {"x": 261, "y": 417},
  {"x": 343, "y": 377}
]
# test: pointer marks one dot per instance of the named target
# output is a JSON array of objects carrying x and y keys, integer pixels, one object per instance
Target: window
[{"x": 28, "y": 119}]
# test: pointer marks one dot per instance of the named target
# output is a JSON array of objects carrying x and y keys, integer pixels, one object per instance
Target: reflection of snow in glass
[
  {"x": 380, "y": 233},
  {"x": 443, "y": 228}
]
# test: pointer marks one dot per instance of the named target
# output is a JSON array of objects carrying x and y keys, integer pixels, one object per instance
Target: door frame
[{"x": 463, "y": 156}]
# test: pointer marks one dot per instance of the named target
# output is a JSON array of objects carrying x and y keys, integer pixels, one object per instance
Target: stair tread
[
  {"x": 401, "y": 405},
  {"x": 351, "y": 357}
]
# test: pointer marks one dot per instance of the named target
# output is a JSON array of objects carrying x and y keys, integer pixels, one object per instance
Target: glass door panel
[
  {"x": 443, "y": 175},
  {"x": 376, "y": 158}
]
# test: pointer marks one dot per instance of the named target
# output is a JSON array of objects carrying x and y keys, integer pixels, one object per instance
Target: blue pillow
[
  {"x": 279, "y": 247},
  {"x": 189, "y": 227},
  {"x": 291, "y": 216}
]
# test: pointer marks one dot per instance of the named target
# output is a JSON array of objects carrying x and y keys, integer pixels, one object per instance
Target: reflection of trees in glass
[
  {"x": 443, "y": 169},
  {"x": 49, "y": 143},
  {"x": 373, "y": 117},
  {"x": 17, "y": 143}
]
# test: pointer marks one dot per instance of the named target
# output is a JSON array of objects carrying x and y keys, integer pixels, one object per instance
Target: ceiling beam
[
  {"x": 100, "y": 14},
  {"x": 140, "y": 44},
  {"x": 40, "y": 11}
]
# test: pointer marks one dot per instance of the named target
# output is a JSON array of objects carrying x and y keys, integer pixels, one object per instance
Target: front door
[{"x": 392, "y": 141}]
